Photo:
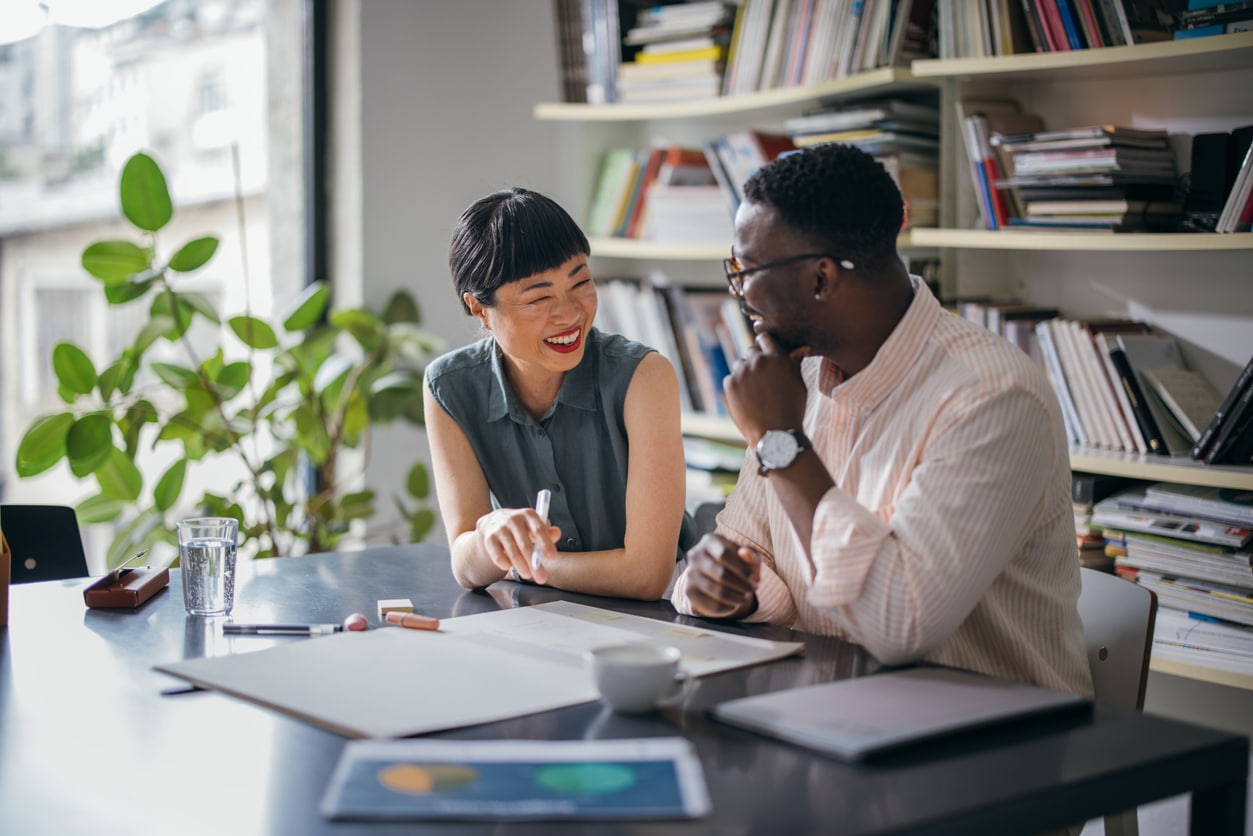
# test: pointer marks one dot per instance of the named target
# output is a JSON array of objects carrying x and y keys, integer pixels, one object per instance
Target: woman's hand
[{"x": 508, "y": 537}]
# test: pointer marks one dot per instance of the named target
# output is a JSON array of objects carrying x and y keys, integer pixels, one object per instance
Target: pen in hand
[{"x": 542, "y": 499}]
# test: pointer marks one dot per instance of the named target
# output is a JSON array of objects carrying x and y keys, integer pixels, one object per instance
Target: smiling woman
[{"x": 547, "y": 402}]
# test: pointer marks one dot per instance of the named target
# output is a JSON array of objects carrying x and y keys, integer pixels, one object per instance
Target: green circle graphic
[{"x": 586, "y": 777}]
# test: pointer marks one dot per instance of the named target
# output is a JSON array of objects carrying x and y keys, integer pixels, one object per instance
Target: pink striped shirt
[{"x": 949, "y": 535}]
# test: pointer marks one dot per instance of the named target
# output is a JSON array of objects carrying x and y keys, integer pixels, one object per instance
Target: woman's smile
[{"x": 565, "y": 342}]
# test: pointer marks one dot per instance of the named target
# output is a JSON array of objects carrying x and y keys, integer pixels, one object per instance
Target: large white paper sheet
[{"x": 394, "y": 682}]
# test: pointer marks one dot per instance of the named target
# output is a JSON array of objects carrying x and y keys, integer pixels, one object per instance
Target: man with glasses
[{"x": 908, "y": 481}]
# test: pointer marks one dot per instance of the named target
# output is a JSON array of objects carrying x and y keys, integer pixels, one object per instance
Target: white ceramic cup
[{"x": 635, "y": 678}]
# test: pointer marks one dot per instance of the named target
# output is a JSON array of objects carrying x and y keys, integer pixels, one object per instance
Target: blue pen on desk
[
  {"x": 1199, "y": 617},
  {"x": 542, "y": 500}
]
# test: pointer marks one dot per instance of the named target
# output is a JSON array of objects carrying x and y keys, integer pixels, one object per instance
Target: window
[{"x": 191, "y": 83}]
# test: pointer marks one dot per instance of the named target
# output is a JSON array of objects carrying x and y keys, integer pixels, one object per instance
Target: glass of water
[{"x": 206, "y": 552}]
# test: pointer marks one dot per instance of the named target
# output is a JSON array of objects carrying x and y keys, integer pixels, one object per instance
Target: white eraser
[{"x": 387, "y": 605}]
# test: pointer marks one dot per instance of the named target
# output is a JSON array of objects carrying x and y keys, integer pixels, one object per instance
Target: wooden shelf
[
  {"x": 634, "y": 248},
  {"x": 1179, "y": 469},
  {"x": 1201, "y": 673},
  {"x": 883, "y": 79},
  {"x": 986, "y": 239},
  {"x": 1193, "y": 55}
]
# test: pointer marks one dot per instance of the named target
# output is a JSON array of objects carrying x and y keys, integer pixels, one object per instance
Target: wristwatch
[{"x": 777, "y": 449}]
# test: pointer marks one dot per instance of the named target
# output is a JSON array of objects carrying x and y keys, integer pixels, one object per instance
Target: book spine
[
  {"x": 1061, "y": 387},
  {"x": 1148, "y": 427},
  {"x": 1244, "y": 381},
  {"x": 1066, "y": 12}
]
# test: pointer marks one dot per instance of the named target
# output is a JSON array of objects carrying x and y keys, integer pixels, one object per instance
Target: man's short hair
[
  {"x": 507, "y": 236},
  {"x": 838, "y": 195}
]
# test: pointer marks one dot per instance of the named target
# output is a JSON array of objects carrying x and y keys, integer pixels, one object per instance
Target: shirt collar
[
  {"x": 893, "y": 359},
  {"x": 578, "y": 389}
]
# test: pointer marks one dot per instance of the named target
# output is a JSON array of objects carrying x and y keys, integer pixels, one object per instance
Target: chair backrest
[
  {"x": 45, "y": 542},
  {"x": 1118, "y": 617}
]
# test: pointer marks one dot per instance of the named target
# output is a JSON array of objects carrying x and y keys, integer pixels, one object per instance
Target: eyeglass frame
[{"x": 735, "y": 277}]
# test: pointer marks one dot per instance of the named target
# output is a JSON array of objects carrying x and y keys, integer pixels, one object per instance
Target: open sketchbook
[
  {"x": 393, "y": 682},
  {"x": 854, "y": 718},
  {"x": 499, "y": 780}
]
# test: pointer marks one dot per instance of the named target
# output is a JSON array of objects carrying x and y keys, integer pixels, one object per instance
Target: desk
[{"x": 89, "y": 746}]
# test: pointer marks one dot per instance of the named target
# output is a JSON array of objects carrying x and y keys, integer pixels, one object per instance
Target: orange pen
[{"x": 412, "y": 621}]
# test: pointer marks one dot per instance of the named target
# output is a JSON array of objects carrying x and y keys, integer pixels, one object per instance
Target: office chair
[
  {"x": 1118, "y": 618},
  {"x": 45, "y": 542}
]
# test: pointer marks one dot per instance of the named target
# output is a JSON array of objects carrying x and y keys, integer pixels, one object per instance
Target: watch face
[{"x": 776, "y": 449}]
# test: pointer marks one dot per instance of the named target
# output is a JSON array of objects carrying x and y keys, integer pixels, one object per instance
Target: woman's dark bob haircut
[{"x": 510, "y": 235}]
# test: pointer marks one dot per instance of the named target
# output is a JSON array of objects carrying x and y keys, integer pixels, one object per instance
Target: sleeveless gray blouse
[{"x": 578, "y": 449}]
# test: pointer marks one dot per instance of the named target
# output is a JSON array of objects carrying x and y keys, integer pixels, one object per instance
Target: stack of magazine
[{"x": 1191, "y": 546}]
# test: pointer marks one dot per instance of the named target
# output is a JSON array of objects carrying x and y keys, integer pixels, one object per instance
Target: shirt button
[
  {"x": 556, "y": 487},
  {"x": 569, "y": 541},
  {"x": 539, "y": 432}
]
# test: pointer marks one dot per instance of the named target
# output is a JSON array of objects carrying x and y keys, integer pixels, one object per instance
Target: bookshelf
[{"x": 1191, "y": 285}]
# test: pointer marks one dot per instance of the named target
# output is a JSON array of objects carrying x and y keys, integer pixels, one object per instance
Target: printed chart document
[
  {"x": 496, "y": 780},
  {"x": 393, "y": 682},
  {"x": 854, "y": 718}
]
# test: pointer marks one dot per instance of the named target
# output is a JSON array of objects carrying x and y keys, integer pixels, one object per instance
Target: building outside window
[{"x": 207, "y": 88}]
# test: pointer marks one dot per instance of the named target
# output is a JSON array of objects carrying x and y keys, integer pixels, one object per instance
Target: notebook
[{"x": 854, "y": 718}]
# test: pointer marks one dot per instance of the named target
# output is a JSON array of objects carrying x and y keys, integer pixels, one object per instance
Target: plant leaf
[
  {"x": 43, "y": 445},
  {"x": 113, "y": 262},
  {"x": 155, "y": 327},
  {"x": 145, "y": 196},
  {"x": 98, "y": 509},
  {"x": 89, "y": 442},
  {"x": 170, "y": 485},
  {"x": 308, "y": 308},
  {"x": 420, "y": 524},
  {"x": 365, "y": 327},
  {"x": 170, "y": 304},
  {"x": 194, "y": 254},
  {"x": 73, "y": 368},
  {"x": 201, "y": 305},
  {"x": 402, "y": 307},
  {"x": 418, "y": 482},
  {"x": 252, "y": 332},
  {"x": 129, "y": 290},
  {"x": 232, "y": 378},
  {"x": 119, "y": 478},
  {"x": 173, "y": 375}
]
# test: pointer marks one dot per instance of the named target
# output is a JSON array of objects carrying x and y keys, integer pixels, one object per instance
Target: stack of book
[
  {"x": 901, "y": 133},
  {"x": 1190, "y": 545},
  {"x": 682, "y": 51},
  {"x": 1087, "y": 489},
  {"x": 980, "y": 120},
  {"x": 1209, "y": 17},
  {"x": 664, "y": 193},
  {"x": 1106, "y": 177}
]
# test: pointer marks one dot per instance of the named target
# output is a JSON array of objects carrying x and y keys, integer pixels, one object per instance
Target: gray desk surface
[{"x": 89, "y": 746}]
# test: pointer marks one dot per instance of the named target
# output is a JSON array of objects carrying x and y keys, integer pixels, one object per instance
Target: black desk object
[{"x": 89, "y": 746}]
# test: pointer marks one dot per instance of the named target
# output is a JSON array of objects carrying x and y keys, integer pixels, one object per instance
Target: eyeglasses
[{"x": 736, "y": 271}]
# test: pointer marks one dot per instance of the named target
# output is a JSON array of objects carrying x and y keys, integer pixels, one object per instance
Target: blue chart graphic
[{"x": 510, "y": 789}]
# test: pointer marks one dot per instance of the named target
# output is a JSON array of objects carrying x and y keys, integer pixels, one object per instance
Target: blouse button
[{"x": 569, "y": 541}]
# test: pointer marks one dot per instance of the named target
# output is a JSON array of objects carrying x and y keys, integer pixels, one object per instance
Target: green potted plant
[{"x": 283, "y": 404}]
